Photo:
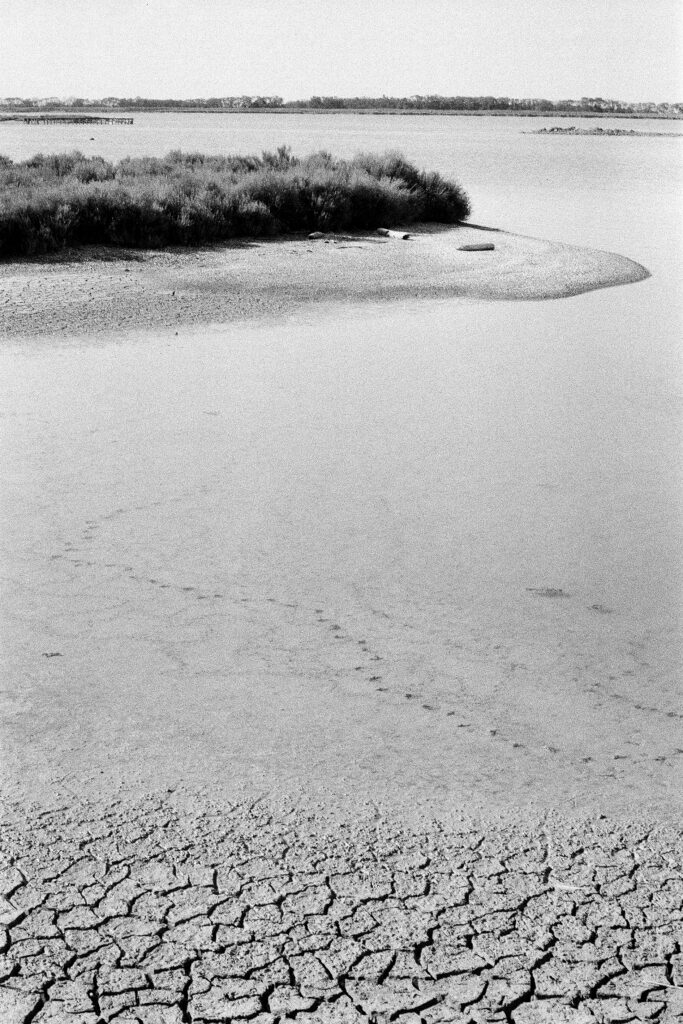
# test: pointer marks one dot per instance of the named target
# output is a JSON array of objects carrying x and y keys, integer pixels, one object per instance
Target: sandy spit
[{"x": 103, "y": 289}]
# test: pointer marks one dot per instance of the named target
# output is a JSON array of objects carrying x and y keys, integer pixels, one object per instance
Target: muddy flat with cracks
[{"x": 155, "y": 912}]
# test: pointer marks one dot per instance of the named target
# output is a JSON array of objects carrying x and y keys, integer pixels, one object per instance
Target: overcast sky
[{"x": 626, "y": 49}]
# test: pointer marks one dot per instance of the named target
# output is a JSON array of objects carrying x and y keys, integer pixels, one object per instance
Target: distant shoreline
[{"x": 18, "y": 114}]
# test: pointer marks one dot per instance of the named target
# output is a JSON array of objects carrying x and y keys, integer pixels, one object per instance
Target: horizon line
[{"x": 276, "y": 99}]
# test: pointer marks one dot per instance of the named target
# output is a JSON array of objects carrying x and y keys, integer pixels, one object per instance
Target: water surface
[{"x": 430, "y": 548}]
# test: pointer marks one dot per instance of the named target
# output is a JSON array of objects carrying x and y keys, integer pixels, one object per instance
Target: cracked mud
[{"x": 149, "y": 912}]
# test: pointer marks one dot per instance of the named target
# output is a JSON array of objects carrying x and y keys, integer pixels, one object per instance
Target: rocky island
[{"x": 572, "y": 130}]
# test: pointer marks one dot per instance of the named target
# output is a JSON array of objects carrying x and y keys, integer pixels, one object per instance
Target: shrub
[{"x": 68, "y": 199}]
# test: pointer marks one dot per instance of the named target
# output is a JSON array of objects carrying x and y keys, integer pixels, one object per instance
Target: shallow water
[{"x": 428, "y": 548}]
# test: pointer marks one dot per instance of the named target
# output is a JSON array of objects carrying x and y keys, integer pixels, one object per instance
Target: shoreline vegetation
[
  {"x": 40, "y": 115},
  {"x": 48, "y": 203},
  {"x": 588, "y": 106}
]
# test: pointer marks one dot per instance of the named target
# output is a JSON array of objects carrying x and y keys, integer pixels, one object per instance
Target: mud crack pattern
[{"x": 152, "y": 913}]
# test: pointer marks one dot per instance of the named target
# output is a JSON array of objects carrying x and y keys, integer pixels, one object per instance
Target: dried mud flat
[
  {"x": 102, "y": 289},
  {"x": 170, "y": 910}
]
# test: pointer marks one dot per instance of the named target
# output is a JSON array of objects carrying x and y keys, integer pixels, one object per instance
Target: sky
[{"x": 554, "y": 49}]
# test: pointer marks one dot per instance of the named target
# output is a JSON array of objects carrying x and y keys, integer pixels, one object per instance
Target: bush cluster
[{"x": 68, "y": 199}]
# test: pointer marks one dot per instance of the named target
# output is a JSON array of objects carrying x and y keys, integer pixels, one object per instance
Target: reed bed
[{"x": 188, "y": 199}]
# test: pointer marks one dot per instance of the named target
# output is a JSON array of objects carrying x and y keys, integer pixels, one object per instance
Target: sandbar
[{"x": 103, "y": 289}]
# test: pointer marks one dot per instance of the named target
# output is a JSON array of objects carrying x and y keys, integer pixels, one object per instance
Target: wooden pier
[{"x": 72, "y": 119}]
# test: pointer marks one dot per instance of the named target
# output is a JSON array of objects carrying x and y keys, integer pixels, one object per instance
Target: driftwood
[
  {"x": 392, "y": 234},
  {"x": 477, "y": 247}
]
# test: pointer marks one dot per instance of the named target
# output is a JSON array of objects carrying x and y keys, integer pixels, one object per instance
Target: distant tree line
[
  {"x": 141, "y": 103},
  {"x": 587, "y": 104}
]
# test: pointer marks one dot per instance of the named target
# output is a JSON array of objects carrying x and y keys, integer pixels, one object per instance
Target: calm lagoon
[{"x": 421, "y": 547}]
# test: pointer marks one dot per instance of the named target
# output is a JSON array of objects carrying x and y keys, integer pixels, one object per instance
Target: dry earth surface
[
  {"x": 199, "y": 911},
  {"x": 145, "y": 878}
]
